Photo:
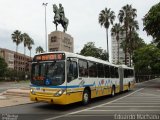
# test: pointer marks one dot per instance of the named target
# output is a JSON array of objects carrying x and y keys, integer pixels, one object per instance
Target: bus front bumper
[{"x": 49, "y": 99}]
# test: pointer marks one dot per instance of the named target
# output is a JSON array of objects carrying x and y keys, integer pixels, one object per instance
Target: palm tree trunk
[
  {"x": 25, "y": 62},
  {"x": 118, "y": 50},
  {"x": 130, "y": 45},
  {"x": 24, "y": 51},
  {"x": 16, "y": 62},
  {"x": 107, "y": 43},
  {"x": 30, "y": 65},
  {"x": 126, "y": 46},
  {"x": 30, "y": 54},
  {"x": 130, "y": 59}
]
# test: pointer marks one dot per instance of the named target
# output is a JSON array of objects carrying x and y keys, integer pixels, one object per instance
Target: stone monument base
[{"x": 60, "y": 41}]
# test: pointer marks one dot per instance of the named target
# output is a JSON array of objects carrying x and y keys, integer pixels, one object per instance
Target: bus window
[
  {"x": 132, "y": 73},
  {"x": 129, "y": 73},
  {"x": 48, "y": 73},
  {"x": 72, "y": 72},
  {"x": 83, "y": 68},
  {"x": 100, "y": 70},
  {"x": 112, "y": 72},
  {"x": 107, "y": 71},
  {"x": 35, "y": 69},
  {"x": 92, "y": 69},
  {"x": 126, "y": 72},
  {"x": 42, "y": 69},
  {"x": 116, "y": 73}
]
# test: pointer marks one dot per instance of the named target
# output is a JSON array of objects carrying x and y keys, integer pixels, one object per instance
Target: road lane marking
[
  {"x": 122, "y": 110},
  {"x": 53, "y": 118},
  {"x": 137, "y": 96},
  {"x": 129, "y": 106},
  {"x": 149, "y": 94},
  {"x": 77, "y": 115},
  {"x": 138, "y": 103},
  {"x": 149, "y": 101}
]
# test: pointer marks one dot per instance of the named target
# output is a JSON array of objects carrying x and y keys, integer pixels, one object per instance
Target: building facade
[
  {"x": 16, "y": 61},
  {"x": 60, "y": 41},
  {"x": 115, "y": 50}
]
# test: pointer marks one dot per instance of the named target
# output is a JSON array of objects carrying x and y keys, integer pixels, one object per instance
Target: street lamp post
[{"x": 45, "y": 4}]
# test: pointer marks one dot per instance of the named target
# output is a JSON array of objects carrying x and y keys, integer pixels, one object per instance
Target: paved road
[
  {"x": 142, "y": 103},
  {"x": 9, "y": 85}
]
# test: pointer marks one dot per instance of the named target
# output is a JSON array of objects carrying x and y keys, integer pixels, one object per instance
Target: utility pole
[{"x": 45, "y": 5}]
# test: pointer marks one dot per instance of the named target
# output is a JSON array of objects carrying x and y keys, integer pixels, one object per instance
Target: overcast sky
[{"x": 28, "y": 16}]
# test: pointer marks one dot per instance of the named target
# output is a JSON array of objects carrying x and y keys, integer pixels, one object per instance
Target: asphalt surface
[
  {"x": 10, "y": 85},
  {"x": 141, "y": 103}
]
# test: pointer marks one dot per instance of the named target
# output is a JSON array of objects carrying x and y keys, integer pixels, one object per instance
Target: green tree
[
  {"x": 89, "y": 49},
  {"x": 103, "y": 54},
  {"x": 30, "y": 43},
  {"x": 3, "y": 67},
  {"x": 126, "y": 15},
  {"x": 17, "y": 38},
  {"x": 117, "y": 30},
  {"x": 133, "y": 26},
  {"x": 151, "y": 22},
  {"x": 106, "y": 17},
  {"x": 10, "y": 74},
  {"x": 26, "y": 40},
  {"x": 39, "y": 49},
  {"x": 135, "y": 43},
  {"x": 147, "y": 60}
]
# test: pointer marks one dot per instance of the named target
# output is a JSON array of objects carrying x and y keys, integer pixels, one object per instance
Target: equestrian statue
[{"x": 59, "y": 17}]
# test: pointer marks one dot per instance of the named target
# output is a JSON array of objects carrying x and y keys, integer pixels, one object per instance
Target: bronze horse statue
[{"x": 58, "y": 18}]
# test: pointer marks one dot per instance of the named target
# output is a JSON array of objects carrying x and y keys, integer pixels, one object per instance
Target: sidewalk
[{"x": 14, "y": 94}]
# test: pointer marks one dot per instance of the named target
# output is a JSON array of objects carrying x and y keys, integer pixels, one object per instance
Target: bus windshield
[{"x": 48, "y": 73}]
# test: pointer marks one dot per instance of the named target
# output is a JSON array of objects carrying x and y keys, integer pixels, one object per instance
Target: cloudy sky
[{"x": 28, "y": 16}]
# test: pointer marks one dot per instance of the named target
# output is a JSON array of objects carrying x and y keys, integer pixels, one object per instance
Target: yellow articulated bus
[{"x": 64, "y": 78}]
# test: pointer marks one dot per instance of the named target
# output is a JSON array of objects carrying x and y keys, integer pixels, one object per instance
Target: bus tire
[
  {"x": 113, "y": 91},
  {"x": 86, "y": 97}
]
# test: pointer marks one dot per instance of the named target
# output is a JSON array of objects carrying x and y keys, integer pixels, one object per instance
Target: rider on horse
[
  {"x": 61, "y": 12},
  {"x": 59, "y": 17}
]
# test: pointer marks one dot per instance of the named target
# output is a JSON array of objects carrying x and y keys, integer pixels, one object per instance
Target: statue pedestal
[{"x": 60, "y": 41}]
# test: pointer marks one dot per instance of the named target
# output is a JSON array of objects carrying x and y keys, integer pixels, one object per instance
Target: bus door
[
  {"x": 72, "y": 70},
  {"x": 121, "y": 78},
  {"x": 72, "y": 75}
]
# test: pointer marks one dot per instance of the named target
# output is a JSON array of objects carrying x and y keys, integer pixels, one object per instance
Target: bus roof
[{"x": 89, "y": 58}]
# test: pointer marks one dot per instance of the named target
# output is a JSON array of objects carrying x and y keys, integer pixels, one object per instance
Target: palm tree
[
  {"x": 30, "y": 43},
  {"x": 133, "y": 26},
  {"x": 106, "y": 17},
  {"x": 116, "y": 30},
  {"x": 17, "y": 38},
  {"x": 125, "y": 15},
  {"x": 26, "y": 40},
  {"x": 39, "y": 49}
]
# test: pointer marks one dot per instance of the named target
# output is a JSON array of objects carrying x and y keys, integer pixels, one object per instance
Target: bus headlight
[
  {"x": 32, "y": 91},
  {"x": 59, "y": 93}
]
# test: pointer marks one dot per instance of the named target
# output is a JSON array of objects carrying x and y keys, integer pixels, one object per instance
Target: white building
[{"x": 114, "y": 45}]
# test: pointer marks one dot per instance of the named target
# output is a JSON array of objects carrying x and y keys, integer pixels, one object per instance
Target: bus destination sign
[{"x": 50, "y": 57}]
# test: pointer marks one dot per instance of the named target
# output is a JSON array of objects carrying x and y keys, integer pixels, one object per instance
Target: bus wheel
[
  {"x": 113, "y": 91},
  {"x": 86, "y": 97}
]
